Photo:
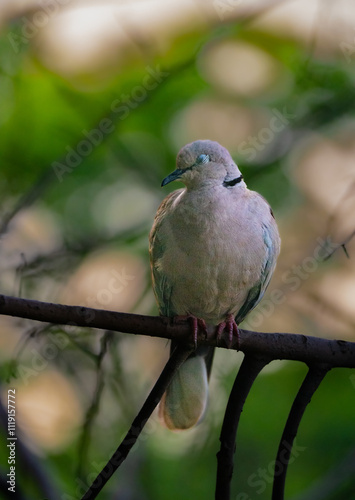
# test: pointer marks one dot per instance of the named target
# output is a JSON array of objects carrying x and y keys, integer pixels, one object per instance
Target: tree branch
[
  {"x": 84, "y": 440},
  {"x": 247, "y": 373},
  {"x": 179, "y": 355},
  {"x": 309, "y": 386},
  {"x": 310, "y": 350},
  {"x": 259, "y": 349}
]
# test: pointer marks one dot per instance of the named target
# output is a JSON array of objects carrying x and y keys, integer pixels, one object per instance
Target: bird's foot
[
  {"x": 196, "y": 325},
  {"x": 231, "y": 326}
]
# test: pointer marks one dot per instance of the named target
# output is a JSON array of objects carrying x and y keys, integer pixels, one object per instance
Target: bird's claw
[
  {"x": 197, "y": 324},
  {"x": 232, "y": 328}
]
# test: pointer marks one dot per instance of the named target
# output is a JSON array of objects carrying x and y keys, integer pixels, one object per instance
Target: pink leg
[
  {"x": 196, "y": 324},
  {"x": 232, "y": 328}
]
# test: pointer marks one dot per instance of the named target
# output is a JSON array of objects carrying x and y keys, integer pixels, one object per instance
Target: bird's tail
[{"x": 185, "y": 400}]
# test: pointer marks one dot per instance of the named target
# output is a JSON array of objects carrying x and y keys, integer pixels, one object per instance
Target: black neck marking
[{"x": 233, "y": 182}]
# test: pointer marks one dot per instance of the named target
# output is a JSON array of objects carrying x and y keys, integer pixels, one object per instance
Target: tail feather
[{"x": 185, "y": 400}]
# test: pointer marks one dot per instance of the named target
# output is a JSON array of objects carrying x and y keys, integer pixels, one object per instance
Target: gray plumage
[{"x": 213, "y": 249}]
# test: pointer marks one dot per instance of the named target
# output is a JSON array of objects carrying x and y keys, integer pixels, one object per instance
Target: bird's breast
[{"x": 209, "y": 257}]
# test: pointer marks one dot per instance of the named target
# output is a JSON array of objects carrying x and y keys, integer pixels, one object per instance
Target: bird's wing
[
  {"x": 161, "y": 286},
  {"x": 271, "y": 242}
]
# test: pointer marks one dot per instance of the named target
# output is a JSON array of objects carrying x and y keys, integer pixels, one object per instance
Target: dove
[{"x": 213, "y": 249}]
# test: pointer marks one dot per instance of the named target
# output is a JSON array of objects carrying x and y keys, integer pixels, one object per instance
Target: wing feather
[
  {"x": 161, "y": 286},
  {"x": 272, "y": 247}
]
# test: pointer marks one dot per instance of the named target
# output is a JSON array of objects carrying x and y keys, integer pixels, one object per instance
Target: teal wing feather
[{"x": 272, "y": 244}]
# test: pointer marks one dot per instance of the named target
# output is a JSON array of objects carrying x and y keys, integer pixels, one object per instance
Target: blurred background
[{"x": 96, "y": 99}]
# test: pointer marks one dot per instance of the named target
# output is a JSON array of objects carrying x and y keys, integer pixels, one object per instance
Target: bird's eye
[{"x": 203, "y": 159}]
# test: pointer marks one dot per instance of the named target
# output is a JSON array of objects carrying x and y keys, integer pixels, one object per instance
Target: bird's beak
[{"x": 172, "y": 177}]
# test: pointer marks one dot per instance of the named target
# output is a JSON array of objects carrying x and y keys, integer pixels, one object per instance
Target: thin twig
[
  {"x": 341, "y": 245},
  {"x": 177, "y": 358},
  {"x": 27, "y": 337},
  {"x": 84, "y": 440}
]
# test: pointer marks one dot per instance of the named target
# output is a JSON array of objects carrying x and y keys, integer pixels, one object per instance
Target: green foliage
[{"x": 104, "y": 200}]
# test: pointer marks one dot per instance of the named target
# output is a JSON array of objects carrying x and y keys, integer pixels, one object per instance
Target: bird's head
[{"x": 205, "y": 163}]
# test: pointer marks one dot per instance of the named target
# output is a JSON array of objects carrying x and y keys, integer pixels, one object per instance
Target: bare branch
[
  {"x": 176, "y": 359},
  {"x": 248, "y": 372},
  {"x": 309, "y": 386},
  {"x": 84, "y": 441},
  {"x": 340, "y": 245},
  {"x": 310, "y": 350}
]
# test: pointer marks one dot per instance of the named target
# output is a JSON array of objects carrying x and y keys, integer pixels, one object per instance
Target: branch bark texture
[{"x": 310, "y": 350}]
